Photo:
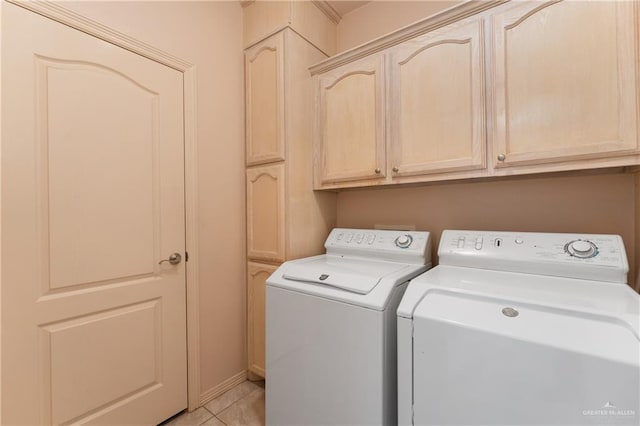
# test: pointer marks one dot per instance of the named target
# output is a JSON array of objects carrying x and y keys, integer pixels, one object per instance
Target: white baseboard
[{"x": 221, "y": 388}]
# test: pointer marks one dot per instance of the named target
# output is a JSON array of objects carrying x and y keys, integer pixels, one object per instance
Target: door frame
[{"x": 54, "y": 11}]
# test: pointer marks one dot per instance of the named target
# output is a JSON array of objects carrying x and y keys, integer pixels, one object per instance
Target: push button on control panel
[
  {"x": 461, "y": 242},
  {"x": 371, "y": 239},
  {"x": 479, "y": 242}
]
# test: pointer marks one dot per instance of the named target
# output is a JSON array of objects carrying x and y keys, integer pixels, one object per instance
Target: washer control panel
[
  {"x": 589, "y": 256},
  {"x": 409, "y": 246}
]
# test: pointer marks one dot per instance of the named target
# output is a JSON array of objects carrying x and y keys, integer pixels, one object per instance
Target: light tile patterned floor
[{"x": 242, "y": 405}]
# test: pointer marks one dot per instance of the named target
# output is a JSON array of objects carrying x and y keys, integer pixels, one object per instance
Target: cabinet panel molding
[
  {"x": 564, "y": 81},
  {"x": 266, "y": 213},
  {"x": 437, "y": 102},
  {"x": 257, "y": 275},
  {"x": 350, "y": 122},
  {"x": 264, "y": 91}
]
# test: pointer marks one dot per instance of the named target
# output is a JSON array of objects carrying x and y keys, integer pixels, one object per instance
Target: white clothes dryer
[
  {"x": 331, "y": 329},
  {"x": 521, "y": 328}
]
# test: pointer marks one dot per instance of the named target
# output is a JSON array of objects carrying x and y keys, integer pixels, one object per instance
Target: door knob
[{"x": 174, "y": 259}]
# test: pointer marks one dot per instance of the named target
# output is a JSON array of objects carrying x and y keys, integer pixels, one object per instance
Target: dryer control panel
[
  {"x": 402, "y": 246},
  {"x": 585, "y": 256}
]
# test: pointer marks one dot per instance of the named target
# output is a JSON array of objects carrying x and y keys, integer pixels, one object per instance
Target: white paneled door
[{"x": 93, "y": 326}]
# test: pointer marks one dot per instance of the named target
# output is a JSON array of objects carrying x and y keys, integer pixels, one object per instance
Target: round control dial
[
  {"x": 404, "y": 241},
  {"x": 582, "y": 249}
]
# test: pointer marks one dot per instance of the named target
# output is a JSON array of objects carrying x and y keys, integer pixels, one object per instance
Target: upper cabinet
[
  {"x": 565, "y": 81},
  {"x": 264, "y": 91},
  {"x": 486, "y": 88},
  {"x": 437, "y": 112},
  {"x": 350, "y": 122}
]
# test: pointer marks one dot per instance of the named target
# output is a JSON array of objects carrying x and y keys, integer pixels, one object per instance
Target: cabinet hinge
[{"x": 186, "y": 256}]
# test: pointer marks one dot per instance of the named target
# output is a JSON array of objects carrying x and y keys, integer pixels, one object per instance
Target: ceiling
[{"x": 344, "y": 7}]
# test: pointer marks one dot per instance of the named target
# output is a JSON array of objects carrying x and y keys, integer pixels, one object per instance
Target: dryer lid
[{"x": 516, "y": 353}]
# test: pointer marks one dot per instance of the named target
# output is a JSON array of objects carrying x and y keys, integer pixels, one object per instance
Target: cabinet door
[
  {"x": 565, "y": 81},
  {"x": 264, "y": 79},
  {"x": 265, "y": 213},
  {"x": 437, "y": 102},
  {"x": 350, "y": 122},
  {"x": 257, "y": 275}
]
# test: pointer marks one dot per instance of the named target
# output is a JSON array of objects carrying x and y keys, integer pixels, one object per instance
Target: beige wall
[
  {"x": 580, "y": 204},
  {"x": 209, "y": 35},
  {"x": 378, "y": 18}
]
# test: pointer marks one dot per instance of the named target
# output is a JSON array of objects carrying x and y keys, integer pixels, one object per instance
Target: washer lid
[
  {"x": 352, "y": 275},
  {"x": 355, "y": 283}
]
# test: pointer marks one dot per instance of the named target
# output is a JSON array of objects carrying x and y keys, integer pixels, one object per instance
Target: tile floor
[{"x": 242, "y": 405}]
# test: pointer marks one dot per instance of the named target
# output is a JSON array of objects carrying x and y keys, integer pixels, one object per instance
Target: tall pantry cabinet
[{"x": 285, "y": 218}]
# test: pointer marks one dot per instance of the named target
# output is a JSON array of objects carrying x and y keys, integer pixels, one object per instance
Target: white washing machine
[
  {"x": 521, "y": 328},
  {"x": 331, "y": 329}
]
